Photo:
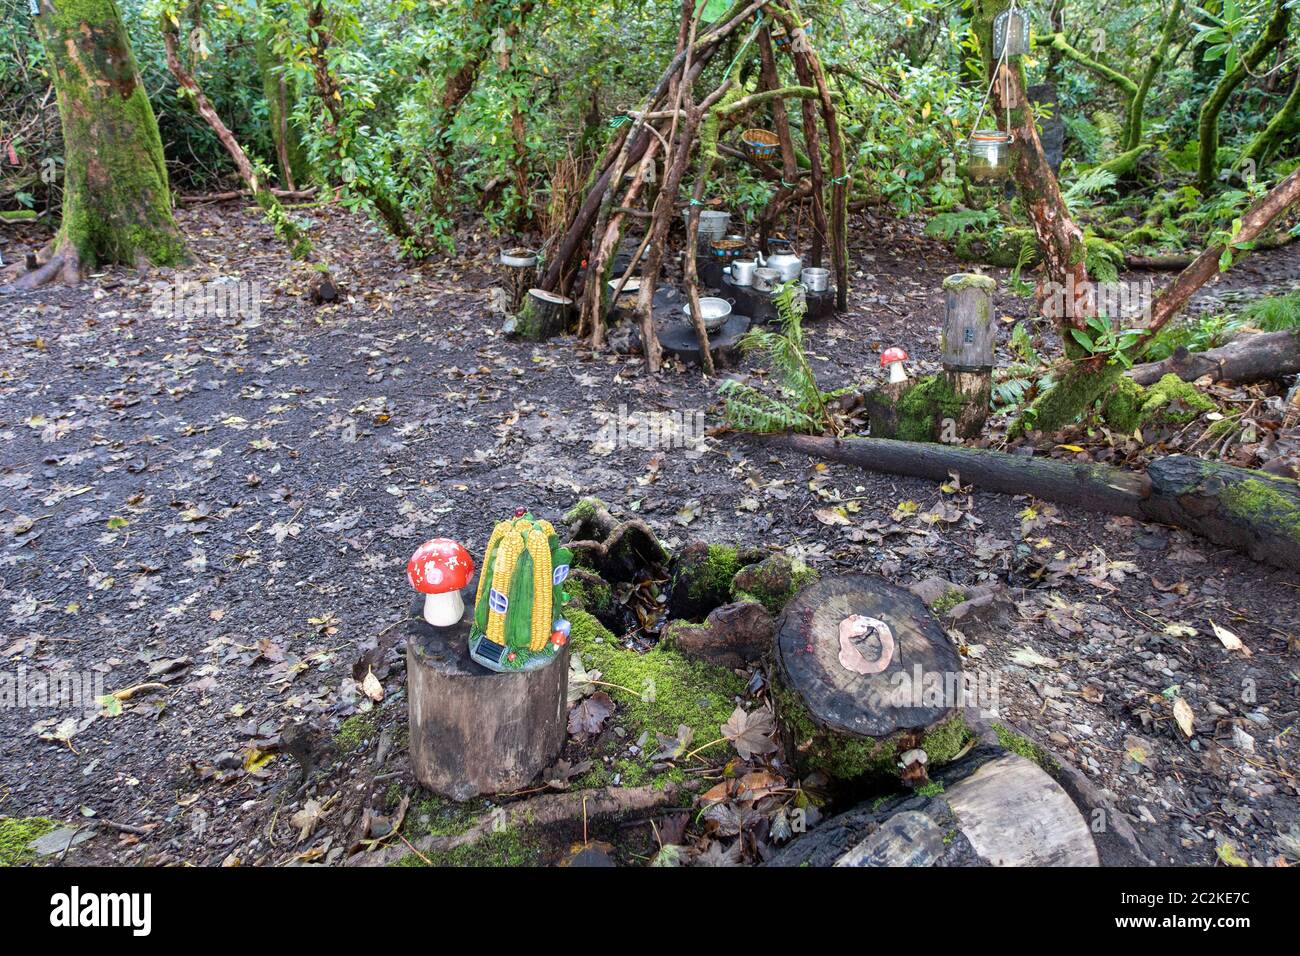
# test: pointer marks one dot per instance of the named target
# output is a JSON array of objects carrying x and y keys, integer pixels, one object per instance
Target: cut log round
[
  {"x": 996, "y": 809},
  {"x": 544, "y": 315},
  {"x": 474, "y": 731},
  {"x": 862, "y": 660}
]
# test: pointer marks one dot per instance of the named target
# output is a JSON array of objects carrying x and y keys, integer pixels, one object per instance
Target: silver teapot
[{"x": 786, "y": 264}]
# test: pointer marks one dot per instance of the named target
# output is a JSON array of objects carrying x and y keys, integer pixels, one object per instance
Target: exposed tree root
[
  {"x": 536, "y": 811},
  {"x": 64, "y": 265}
]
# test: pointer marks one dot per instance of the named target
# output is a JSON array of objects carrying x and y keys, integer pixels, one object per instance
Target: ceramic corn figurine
[{"x": 517, "y": 620}]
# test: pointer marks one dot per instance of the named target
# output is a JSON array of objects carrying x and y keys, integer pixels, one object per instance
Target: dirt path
[{"x": 224, "y": 506}]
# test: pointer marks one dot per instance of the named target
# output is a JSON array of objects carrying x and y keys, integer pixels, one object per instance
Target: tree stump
[
  {"x": 865, "y": 675},
  {"x": 996, "y": 809},
  {"x": 474, "y": 731},
  {"x": 544, "y": 315}
]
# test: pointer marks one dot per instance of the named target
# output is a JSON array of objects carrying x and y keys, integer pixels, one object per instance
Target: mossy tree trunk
[
  {"x": 1284, "y": 123},
  {"x": 1133, "y": 129},
  {"x": 298, "y": 243},
  {"x": 117, "y": 205},
  {"x": 1273, "y": 34},
  {"x": 280, "y": 96}
]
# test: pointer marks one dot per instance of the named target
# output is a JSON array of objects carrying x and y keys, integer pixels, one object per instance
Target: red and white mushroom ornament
[
  {"x": 893, "y": 359},
  {"x": 438, "y": 570}
]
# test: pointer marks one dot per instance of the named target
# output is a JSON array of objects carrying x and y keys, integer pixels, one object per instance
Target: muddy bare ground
[{"x": 224, "y": 506}]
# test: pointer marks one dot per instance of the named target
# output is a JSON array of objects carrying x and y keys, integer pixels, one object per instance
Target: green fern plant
[
  {"x": 1091, "y": 182},
  {"x": 796, "y": 403},
  {"x": 947, "y": 226}
]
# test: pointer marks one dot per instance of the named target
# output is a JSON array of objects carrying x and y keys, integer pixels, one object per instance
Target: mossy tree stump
[
  {"x": 543, "y": 315},
  {"x": 852, "y": 700},
  {"x": 474, "y": 731}
]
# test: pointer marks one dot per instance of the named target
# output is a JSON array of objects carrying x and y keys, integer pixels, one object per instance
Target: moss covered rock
[
  {"x": 655, "y": 692},
  {"x": 771, "y": 582},
  {"x": 1169, "y": 401},
  {"x": 15, "y": 835},
  {"x": 702, "y": 577}
]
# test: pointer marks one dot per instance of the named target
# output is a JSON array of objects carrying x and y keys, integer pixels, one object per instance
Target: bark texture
[{"x": 116, "y": 199}]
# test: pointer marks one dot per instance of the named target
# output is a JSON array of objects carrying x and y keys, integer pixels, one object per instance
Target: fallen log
[
  {"x": 1247, "y": 358},
  {"x": 1250, "y": 511},
  {"x": 995, "y": 809},
  {"x": 290, "y": 194},
  {"x": 536, "y": 811}
]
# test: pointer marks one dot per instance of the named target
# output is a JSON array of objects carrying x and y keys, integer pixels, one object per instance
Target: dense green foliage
[{"x": 419, "y": 111}]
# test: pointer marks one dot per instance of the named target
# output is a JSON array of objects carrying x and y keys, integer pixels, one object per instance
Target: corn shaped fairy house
[{"x": 518, "y": 624}]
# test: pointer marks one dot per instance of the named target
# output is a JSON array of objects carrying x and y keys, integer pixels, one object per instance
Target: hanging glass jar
[
  {"x": 1010, "y": 33},
  {"x": 990, "y": 155}
]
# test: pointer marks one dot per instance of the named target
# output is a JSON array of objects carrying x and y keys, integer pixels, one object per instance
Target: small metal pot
[
  {"x": 765, "y": 279},
  {"x": 816, "y": 280},
  {"x": 742, "y": 271},
  {"x": 518, "y": 258},
  {"x": 713, "y": 310}
]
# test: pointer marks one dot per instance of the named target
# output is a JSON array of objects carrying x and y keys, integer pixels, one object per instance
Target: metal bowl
[{"x": 713, "y": 310}]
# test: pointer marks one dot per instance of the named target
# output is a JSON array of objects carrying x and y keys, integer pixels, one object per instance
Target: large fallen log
[
  {"x": 1247, "y": 358},
  {"x": 995, "y": 808},
  {"x": 1251, "y": 511}
]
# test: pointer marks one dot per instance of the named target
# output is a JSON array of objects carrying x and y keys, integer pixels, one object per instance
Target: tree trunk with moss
[
  {"x": 1208, "y": 125},
  {"x": 299, "y": 245},
  {"x": 1251, "y": 511},
  {"x": 117, "y": 205},
  {"x": 1284, "y": 123},
  {"x": 279, "y": 94},
  {"x": 1133, "y": 129}
]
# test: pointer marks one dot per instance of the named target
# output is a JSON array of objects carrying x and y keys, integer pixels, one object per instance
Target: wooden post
[
  {"x": 474, "y": 731},
  {"x": 967, "y": 348}
]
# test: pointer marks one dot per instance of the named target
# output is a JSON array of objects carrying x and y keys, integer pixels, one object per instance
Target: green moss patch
[
  {"x": 847, "y": 758},
  {"x": 772, "y": 582},
  {"x": 511, "y": 846},
  {"x": 356, "y": 730},
  {"x": 1260, "y": 501},
  {"x": 1170, "y": 401},
  {"x": 922, "y": 406},
  {"x": 1019, "y": 744},
  {"x": 16, "y": 833},
  {"x": 664, "y": 689}
]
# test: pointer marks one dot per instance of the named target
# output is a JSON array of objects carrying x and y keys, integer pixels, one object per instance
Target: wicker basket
[{"x": 760, "y": 143}]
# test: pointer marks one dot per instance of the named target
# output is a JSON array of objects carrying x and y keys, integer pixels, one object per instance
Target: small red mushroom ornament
[
  {"x": 893, "y": 359},
  {"x": 439, "y": 569}
]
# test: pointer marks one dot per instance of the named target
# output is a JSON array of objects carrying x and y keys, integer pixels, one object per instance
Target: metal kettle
[{"x": 787, "y": 264}]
